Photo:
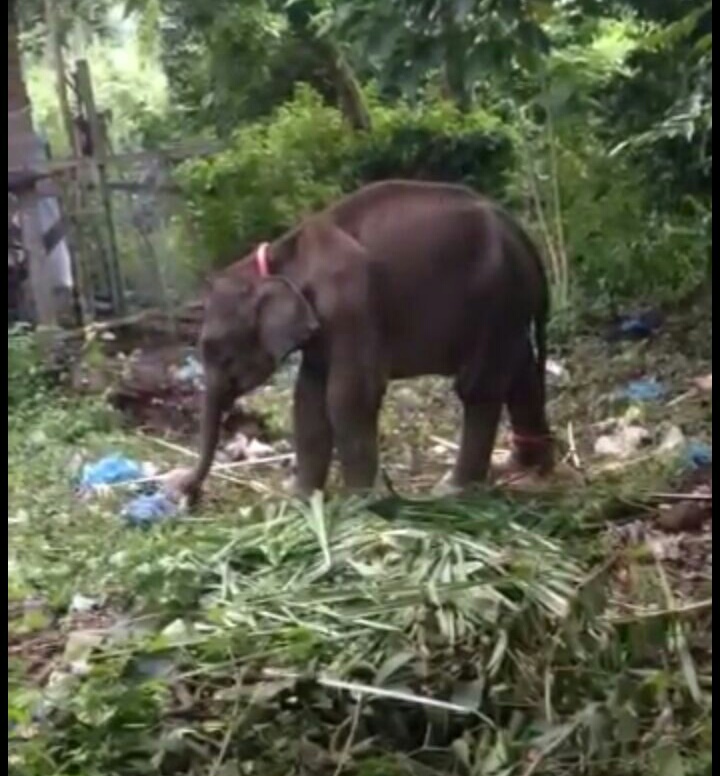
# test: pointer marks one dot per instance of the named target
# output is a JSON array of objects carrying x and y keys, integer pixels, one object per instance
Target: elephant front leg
[
  {"x": 354, "y": 417},
  {"x": 312, "y": 430},
  {"x": 480, "y": 425}
]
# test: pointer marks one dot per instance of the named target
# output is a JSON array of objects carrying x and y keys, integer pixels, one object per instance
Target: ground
[{"x": 559, "y": 632}]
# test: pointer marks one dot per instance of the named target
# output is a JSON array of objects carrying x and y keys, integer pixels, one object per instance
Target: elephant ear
[{"x": 285, "y": 318}]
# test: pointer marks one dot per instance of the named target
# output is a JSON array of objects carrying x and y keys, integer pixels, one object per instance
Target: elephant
[{"x": 397, "y": 280}]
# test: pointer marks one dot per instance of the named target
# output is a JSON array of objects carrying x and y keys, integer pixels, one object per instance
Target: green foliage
[
  {"x": 272, "y": 173},
  {"x": 303, "y": 157},
  {"x": 436, "y": 142},
  {"x": 27, "y": 378},
  {"x": 128, "y": 83}
]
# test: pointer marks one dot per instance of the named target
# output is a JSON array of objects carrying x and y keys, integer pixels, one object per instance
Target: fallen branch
[
  {"x": 648, "y": 614},
  {"x": 368, "y": 690},
  {"x": 572, "y": 446},
  {"x": 681, "y": 497},
  {"x": 445, "y": 443}
]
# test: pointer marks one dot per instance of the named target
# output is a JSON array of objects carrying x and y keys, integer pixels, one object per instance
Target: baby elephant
[{"x": 397, "y": 280}]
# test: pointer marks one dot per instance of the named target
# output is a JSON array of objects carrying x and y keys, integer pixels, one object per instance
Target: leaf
[
  {"x": 80, "y": 644},
  {"x": 461, "y": 750},
  {"x": 463, "y": 9},
  {"x": 392, "y": 665},
  {"x": 498, "y": 654},
  {"x": 468, "y": 694},
  {"x": 177, "y": 633},
  {"x": 687, "y": 663},
  {"x": 627, "y": 725},
  {"x": 669, "y": 762}
]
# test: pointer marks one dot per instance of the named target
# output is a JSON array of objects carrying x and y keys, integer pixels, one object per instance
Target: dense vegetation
[
  {"x": 593, "y": 119},
  {"x": 560, "y": 634}
]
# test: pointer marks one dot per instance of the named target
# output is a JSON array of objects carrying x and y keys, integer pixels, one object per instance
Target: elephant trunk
[{"x": 214, "y": 405}]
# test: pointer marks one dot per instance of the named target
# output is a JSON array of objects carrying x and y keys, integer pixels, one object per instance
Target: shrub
[
  {"x": 304, "y": 156},
  {"x": 436, "y": 142},
  {"x": 28, "y": 380},
  {"x": 272, "y": 174}
]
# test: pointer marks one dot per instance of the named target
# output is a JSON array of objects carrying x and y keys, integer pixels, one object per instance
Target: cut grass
[{"x": 274, "y": 637}]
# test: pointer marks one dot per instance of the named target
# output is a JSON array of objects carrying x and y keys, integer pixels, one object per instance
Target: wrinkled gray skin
[{"x": 397, "y": 280}]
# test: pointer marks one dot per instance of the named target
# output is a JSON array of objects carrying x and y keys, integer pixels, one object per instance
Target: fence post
[
  {"x": 98, "y": 160},
  {"x": 39, "y": 266}
]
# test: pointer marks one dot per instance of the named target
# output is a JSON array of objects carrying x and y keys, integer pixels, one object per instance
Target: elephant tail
[
  {"x": 541, "y": 314},
  {"x": 541, "y": 325}
]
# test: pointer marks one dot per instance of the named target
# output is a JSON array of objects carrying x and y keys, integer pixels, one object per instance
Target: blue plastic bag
[
  {"x": 150, "y": 509},
  {"x": 112, "y": 470},
  {"x": 644, "y": 390},
  {"x": 697, "y": 455}
]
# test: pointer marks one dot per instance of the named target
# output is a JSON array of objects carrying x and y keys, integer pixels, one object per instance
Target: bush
[
  {"x": 439, "y": 143},
  {"x": 304, "y": 156},
  {"x": 619, "y": 245},
  {"x": 272, "y": 174},
  {"x": 28, "y": 379}
]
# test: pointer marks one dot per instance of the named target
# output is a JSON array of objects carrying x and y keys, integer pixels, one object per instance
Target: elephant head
[{"x": 253, "y": 320}]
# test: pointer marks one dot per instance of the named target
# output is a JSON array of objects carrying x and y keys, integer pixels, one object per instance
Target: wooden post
[
  {"x": 99, "y": 162},
  {"x": 55, "y": 40},
  {"x": 43, "y": 301},
  {"x": 21, "y": 155}
]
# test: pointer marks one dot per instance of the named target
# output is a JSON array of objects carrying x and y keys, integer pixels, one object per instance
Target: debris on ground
[
  {"x": 111, "y": 470},
  {"x": 148, "y": 509},
  {"x": 704, "y": 383},
  {"x": 623, "y": 443},
  {"x": 190, "y": 372},
  {"x": 636, "y": 326},
  {"x": 158, "y": 390},
  {"x": 81, "y": 604},
  {"x": 697, "y": 455},
  {"x": 673, "y": 442},
  {"x": 684, "y": 516},
  {"x": 557, "y": 372},
  {"x": 151, "y": 504},
  {"x": 241, "y": 448},
  {"x": 645, "y": 390}
]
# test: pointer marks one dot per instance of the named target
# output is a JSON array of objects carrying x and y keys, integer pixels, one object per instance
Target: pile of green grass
[{"x": 269, "y": 637}]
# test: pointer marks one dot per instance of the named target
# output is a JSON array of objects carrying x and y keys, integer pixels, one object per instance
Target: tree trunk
[
  {"x": 454, "y": 51},
  {"x": 22, "y": 144},
  {"x": 350, "y": 97}
]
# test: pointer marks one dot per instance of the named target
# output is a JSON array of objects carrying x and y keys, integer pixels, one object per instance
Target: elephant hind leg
[
  {"x": 533, "y": 446},
  {"x": 482, "y": 386}
]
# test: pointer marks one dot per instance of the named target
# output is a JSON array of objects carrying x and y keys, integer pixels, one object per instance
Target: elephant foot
[
  {"x": 508, "y": 469},
  {"x": 295, "y": 488},
  {"x": 449, "y": 487},
  {"x": 512, "y": 473},
  {"x": 181, "y": 484}
]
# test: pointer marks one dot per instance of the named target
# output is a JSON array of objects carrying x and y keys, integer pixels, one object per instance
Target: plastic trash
[
  {"x": 81, "y": 604},
  {"x": 190, "y": 372},
  {"x": 704, "y": 383},
  {"x": 557, "y": 372},
  {"x": 648, "y": 389},
  {"x": 623, "y": 444},
  {"x": 240, "y": 448},
  {"x": 147, "y": 510},
  {"x": 636, "y": 326},
  {"x": 112, "y": 470},
  {"x": 673, "y": 441},
  {"x": 697, "y": 455}
]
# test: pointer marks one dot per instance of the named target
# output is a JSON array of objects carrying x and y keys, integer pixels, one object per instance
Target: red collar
[{"x": 262, "y": 259}]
